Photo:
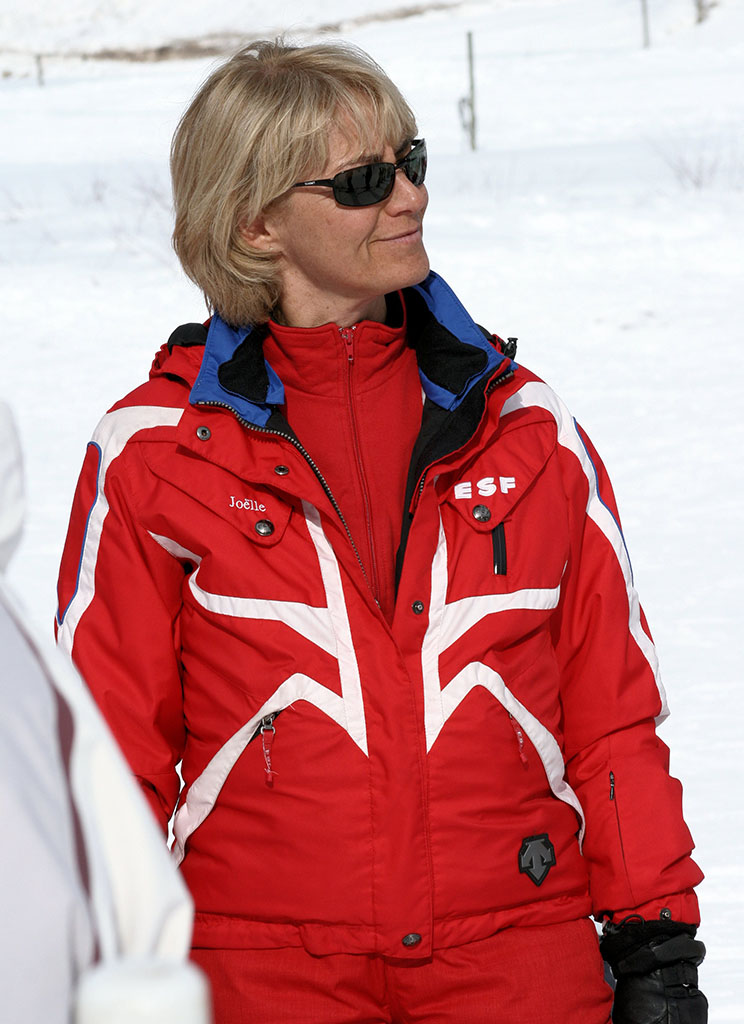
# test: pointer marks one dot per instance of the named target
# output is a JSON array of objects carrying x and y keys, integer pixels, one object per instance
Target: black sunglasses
[{"x": 370, "y": 184}]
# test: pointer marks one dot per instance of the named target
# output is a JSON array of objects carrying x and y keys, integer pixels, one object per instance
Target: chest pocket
[
  {"x": 503, "y": 515},
  {"x": 262, "y": 518}
]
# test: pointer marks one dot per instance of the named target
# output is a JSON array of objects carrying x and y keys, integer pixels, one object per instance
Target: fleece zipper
[{"x": 348, "y": 335}]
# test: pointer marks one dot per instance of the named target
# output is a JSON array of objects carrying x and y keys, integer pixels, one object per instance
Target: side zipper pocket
[
  {"x": 520, "y": 740},
  {"x": 498, "y": 538},
  {"x": 613, "y": 799}
]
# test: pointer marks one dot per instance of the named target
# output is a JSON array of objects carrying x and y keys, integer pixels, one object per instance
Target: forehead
[{"x": 348, "y": 144}]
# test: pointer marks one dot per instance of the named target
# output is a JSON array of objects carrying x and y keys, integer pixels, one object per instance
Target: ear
[{"x": 260, "y": 233}]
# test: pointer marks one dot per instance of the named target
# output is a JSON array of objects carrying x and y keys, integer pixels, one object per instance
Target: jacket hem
[{"x": 223, "y": 931}]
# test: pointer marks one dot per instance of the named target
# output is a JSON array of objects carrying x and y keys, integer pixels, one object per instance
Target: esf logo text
[{"x": 486, "y": 486}]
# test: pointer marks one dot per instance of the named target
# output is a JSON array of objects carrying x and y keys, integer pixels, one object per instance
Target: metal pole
[
  {"x": 646, "y": 34},
  {"x": 471, "y": 76}
]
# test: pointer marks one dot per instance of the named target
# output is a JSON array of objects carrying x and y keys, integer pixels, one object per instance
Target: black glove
[{"x": 655, "y": 966}]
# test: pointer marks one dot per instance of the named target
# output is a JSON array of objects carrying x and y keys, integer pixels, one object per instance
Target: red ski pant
[{"x": 546, "y": 975}]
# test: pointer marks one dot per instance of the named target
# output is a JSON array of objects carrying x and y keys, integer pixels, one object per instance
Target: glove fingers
[{"x": 644, "y": 999}]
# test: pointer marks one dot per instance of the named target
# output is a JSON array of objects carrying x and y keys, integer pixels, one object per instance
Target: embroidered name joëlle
[{"x": 246, "y": 503}]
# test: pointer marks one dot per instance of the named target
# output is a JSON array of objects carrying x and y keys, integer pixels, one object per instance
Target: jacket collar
[{"x": 453, "y": 354}]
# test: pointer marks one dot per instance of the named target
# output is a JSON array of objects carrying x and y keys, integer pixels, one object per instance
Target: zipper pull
[
  {"x": 347, "y": 334},
  {"x": 612, "y": 785},
  {"x": 268, "y": 732},
  {"x": 520, "y": 740}
]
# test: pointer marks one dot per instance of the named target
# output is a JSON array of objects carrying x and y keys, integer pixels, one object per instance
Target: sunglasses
[{"x": 370, "y": 184}]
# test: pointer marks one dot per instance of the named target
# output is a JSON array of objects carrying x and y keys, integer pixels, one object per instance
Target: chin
[{"x": 414, "y": 274}]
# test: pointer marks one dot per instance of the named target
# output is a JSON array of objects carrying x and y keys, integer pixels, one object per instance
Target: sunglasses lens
[
  {"x": 364, "y": 186},
  {"x": 414, "y": 165}
]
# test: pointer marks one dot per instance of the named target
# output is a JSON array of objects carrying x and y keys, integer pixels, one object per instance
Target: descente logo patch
[
  {"x": 486, "y": 486},
  {"x": 249, "y": 504}
]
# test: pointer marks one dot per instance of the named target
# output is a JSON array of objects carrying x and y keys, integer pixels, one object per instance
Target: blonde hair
[{"x": 260, "y": 123}]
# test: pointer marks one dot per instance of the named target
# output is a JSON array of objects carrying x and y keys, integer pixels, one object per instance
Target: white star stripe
[
  {"x": 535, "y": 393},
  {"x": 328, "y": 628},
  {"x": 459, "y": 616},
  {"x": 110, "y": 437}
]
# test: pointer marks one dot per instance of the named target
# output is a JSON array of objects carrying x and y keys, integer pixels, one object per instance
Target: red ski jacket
[{"x": 488, "y": 759}]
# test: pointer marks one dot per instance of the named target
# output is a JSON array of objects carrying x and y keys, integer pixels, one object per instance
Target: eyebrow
[{"x": 359, "y": 161}]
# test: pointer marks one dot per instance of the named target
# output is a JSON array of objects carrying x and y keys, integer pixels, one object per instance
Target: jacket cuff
[{"x": 682, "y": 906}]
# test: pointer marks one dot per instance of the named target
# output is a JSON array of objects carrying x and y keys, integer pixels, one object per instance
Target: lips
[{"x": 413, "y": 233}]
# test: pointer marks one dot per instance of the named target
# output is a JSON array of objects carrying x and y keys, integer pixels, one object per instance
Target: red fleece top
[{"x": 353, "y": 398}]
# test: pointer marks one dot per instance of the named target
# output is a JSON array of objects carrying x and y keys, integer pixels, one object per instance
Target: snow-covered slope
[
  {"x": 600, "y": 220},
  {"x": 89, "y": 26}
]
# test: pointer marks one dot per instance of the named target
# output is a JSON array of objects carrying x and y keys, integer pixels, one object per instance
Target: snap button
[
  {"x": 412, "y": 939},
  {"x": 281, "y": 470},
  {"x": 203, "y": 433},
  {"x": 264, "y": 527},
  {"x": 418, "y": 607},
  {"x": 482, "y": 513}
]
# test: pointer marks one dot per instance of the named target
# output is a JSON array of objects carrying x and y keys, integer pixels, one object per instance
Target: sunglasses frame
[{"x": 341, "y": 182}]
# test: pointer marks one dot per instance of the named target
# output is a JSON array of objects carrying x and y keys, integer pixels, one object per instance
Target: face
[{"x": 337, "y": 262}]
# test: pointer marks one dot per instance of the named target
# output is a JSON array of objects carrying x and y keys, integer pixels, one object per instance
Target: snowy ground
[{"x": 600, "y": 220}]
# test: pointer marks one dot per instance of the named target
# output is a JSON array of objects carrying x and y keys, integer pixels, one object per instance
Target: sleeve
[
  {"x": 118, "y": 618},
  {"x": 637, "y": 845}
]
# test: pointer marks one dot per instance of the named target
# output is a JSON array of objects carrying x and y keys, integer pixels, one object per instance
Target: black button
[
  {"x": 281, "y": 470},
  {"x": 482, "y": 513},
  {"x": 203, "y": 433},
  {"x": 265, "y": 527},
  {"x": 418, "y": 607},
  {"x": 412, "y": 939}
]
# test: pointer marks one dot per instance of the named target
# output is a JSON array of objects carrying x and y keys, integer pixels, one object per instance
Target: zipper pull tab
[
  {"x": 268, "y": 732},
  {"x": 347, "y": 333},
  {"x": 520, "y": 740}
]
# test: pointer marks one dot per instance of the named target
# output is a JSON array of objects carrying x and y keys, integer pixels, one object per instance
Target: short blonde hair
[{"x": 260, "y": 123}]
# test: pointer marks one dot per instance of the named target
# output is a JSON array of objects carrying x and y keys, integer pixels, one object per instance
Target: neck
[{"x": 298, "y": 313}]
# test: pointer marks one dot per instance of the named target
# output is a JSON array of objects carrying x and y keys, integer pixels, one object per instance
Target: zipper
[
  {"x": 348, "y": 335},
  {"x": 520, "y": 740},
  {"x": 498, "y": 537},
  {"x": 613, "y": 798},
  {"x": 321, "y": 479},
  {"x": 266, "y": 722}
]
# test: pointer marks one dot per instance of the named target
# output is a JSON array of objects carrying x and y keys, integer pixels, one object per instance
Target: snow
[{"x": 600, "y": 220}]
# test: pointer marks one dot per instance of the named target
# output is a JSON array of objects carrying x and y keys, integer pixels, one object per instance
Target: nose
[{"x": 406, "y": 197}]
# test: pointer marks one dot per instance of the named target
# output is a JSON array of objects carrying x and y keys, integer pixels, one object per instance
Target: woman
[{"x": 362, "y": 574}]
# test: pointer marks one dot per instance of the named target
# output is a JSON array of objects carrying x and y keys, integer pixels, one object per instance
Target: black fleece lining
[
  {"x": 187, "y": 335},
  {"x": 442, "y": 432},
  {"x": 394, "y": 310},
  {"x": 445, "y": 360},
  {"x": 279, "y": 425},
  {"x": 245, "y": 372}
]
